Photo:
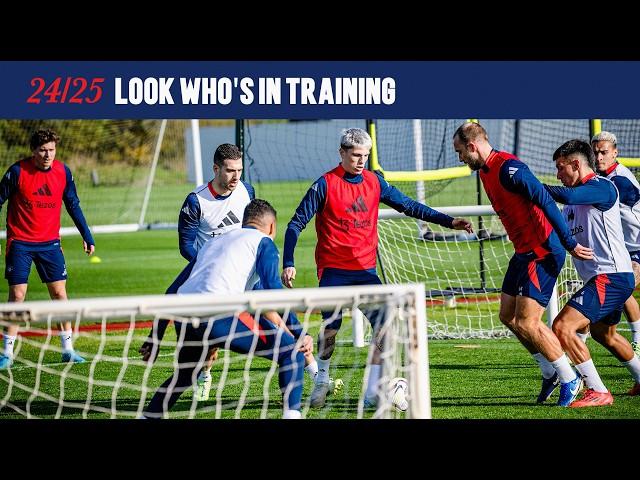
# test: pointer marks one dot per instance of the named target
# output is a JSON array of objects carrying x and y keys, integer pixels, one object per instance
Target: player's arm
[
  {"x": 394, "y": 198},
  {"x": 312, "y": 203},
  {"x": 516, "y": 177},
  {"x": 629, "y": 193},
  {"x": 72, "y": 204},
  {"x": 188, "y": 223},
  {"x": 267, "y": 261},
  {"x": 601, "y": 195},
  {"x": 9, "y": 183}
]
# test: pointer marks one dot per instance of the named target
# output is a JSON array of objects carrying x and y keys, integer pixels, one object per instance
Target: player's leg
[
  {"x": 205, "y": 379},
  {"x": 600, "y": 299},
  {"x": 243, "y": 334},
  {"x": 526, "y": 291},
  {"x": 191, "y": 353},
  {"x": 52, "y": 269},
  {"x": 331, "y": 323},
  {"x": 632, "y": 308},
  {"x": 605, "y": 332},
  {"x": 17, "y": 293},
  {"x": 150, "y": 348},
  {"x": 17, "y": 268}
]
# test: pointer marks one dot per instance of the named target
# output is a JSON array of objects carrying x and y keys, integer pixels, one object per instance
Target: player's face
[
  {"x": 568, "y": 171},
  {"x": 606, "y": 154},
  {"x": 467, "y": 154},
  {"x": 228, "y": 176},
  {"x": 43, "y": 155},
  {"x": 354, "y": 159}
]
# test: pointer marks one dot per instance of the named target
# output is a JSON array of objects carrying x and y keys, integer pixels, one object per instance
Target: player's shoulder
[{"x": 513, "y": 168}]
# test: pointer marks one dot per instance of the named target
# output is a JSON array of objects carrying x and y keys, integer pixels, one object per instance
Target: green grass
[{"x": 496, "y": 380}]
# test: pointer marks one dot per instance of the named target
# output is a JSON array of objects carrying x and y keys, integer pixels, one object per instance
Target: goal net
[
  {"x": 462, "y": 273},
  {"x": 115, "y": 382}
]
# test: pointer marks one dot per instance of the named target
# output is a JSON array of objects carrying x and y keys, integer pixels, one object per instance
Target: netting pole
[
  {"x": 373, "y": 162},
  {"x": 240, "y": 143},
  {"x": 197, "y": 151},
  {"x": 152, "y": 173},
  {"x": 357, "y": 327}
]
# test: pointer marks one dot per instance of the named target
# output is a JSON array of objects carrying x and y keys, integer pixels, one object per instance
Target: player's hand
[
  {"x": 147, "y": 349},
  {"x": 462, "y": 224},
  {"x": 88, "y": 249},
  {"x": 307, "y": 344},
  {"x": 288, "y": 276},
  {"x": 582, "y": 253}
]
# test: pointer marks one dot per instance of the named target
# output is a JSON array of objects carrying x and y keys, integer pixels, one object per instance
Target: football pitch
[{"x": 470, "y": 379}]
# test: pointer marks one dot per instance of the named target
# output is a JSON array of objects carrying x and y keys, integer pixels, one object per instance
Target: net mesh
[{"x": 115, "y": 382}]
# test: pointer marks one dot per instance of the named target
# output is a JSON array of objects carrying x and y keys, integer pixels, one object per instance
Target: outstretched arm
[
  {"x": 391, "y": 196},
  {"x": 312, "y": 202},
  {"x": 600, "y": 194}
]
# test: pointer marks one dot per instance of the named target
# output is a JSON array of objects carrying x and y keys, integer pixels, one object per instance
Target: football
[{"x": 398, "y": 391}]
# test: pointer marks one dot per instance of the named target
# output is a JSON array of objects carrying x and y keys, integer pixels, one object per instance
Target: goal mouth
[{"x": 114, "y": 381}]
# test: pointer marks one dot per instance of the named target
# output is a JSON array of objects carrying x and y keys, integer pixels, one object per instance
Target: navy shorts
[
  {"x": 335, "y": 277},
  {"x": 48, "y": 258},
  {"x": 635, "y": 256},
  {"x": 533, "y": 277},
  {"x": 602, "y": 298}
]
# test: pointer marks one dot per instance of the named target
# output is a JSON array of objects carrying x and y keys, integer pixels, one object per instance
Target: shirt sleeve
[
  {"x": 394, "y": 198},
  {"x": 188, "y": 223},
  {"x": 312, "y": 203},
  {"x": 599, "y": 194},
  {"x": 9, "y": 183},
  {"x": 516, "y": 177},
  {"x": 250, "y": 189},
  {"x": 267, "y": 263},
  {"x": 72, "y": 204},
  {"x": 629, "y": 193}
]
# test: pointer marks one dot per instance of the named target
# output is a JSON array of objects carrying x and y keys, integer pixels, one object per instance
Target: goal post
[{"x": 116, "y": 383}]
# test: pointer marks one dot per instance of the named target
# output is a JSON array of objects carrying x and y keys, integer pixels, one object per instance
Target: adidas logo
[
  {"x": 579, "y": 299},
  {"x": 512, "y": 171},
  {"x": 358, "y": 206},
  {"x": 230, "y": 219},
  {"x": 571, "y": 215},
  {"x": 43, "y": 190}
]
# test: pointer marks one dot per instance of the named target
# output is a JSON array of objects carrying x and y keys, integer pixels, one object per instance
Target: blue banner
[{"x": 319, "y": 89}]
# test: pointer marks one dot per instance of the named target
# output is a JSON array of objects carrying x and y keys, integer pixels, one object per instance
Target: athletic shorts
[
  {"x": 602, "y": 298},
  {"x": 533, "y": 277},
  {"x": 47, "y": 256}
]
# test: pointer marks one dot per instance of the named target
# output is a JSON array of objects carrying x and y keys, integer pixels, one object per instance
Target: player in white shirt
[
  {"x": 211, "y": 209},
  {"x": 231, "y": 264},
  {"x": 605, "y": 148},
  {"x": 592, "y": 211}
]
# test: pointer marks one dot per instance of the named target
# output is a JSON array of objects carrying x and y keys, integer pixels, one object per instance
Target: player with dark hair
[
  {"x": 36, "y": 187},
  {"x": 230, "y": 265},
  {"x": 538, "y": 232},
  {"x": 592, "y": 211},
  {"x": 212, "y": 209}
]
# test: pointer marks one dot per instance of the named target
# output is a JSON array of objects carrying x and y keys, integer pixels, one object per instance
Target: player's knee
[
  {"x": 17, "y": 296},
  {"x": 562, "y": 330},
  {"x": 507, "y": 319}
]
